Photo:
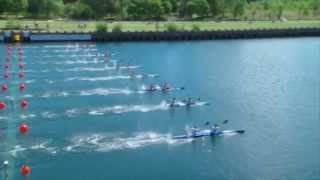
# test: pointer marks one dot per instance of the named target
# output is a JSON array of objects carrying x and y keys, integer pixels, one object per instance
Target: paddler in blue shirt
[
  {"x": 214, "y": 130},
  {"x": 194, "y": 131}
]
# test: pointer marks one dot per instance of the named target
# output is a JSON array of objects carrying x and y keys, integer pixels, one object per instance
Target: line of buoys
[{"x": 24, "y": 128}]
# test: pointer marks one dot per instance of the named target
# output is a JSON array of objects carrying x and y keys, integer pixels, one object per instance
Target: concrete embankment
[{"x": 25, "y": 36}]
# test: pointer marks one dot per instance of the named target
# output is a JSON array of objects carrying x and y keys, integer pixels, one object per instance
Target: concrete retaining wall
[
  {"x": 164, "y": 36},
  {"x": 204, "y": 35}
]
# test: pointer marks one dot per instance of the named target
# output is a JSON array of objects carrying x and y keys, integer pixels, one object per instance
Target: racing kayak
[
  {"x": 185, "y": 104},
  {"x": 159, "y": 88},
  {"x": 207, "y": 132}
]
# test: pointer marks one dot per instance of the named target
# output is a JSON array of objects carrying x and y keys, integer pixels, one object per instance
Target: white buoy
[
  {"x": 5, "y": 169},
  {"x": 5, "y": 163}
]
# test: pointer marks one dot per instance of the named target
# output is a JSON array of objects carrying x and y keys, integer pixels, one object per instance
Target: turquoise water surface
[{"x": 89, "y": 120}]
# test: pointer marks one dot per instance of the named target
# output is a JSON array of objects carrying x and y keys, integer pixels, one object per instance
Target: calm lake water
[{"x": 90, "y": 121}]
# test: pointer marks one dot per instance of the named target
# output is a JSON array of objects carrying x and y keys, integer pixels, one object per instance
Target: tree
[
  {"x": 154, "y": 8},
  {"x": 239, "y": 8},
  {"x": 54, "y": 7},
  {"x": 215, "y": 7},
  {"x": 174, "y": 5},
  {"x": 79, "y": 11},
  {"x": 198, "y": 7},
  {"x": 279, "y": 11},
  {"x": 315, "y": 6},
  {"x": 145, "y": 8},
  {"x": 16, "y": 6},
  {"x": 166, "y": 6},
  {"x": 253, "y": 10},
  {"x": 36, "y": 7},
  {"x": 183, "y": 8},
  {"x": 102, "y": 7},
  {"x": 136, "y": 9}
]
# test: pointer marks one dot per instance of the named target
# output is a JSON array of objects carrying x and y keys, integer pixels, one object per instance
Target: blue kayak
[{"x": 207, "y": 132}]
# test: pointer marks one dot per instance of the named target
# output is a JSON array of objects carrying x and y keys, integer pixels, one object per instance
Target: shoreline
[{"x": 26, "y": 36}]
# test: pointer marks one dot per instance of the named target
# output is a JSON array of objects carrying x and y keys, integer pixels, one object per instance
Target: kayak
[
  {"x": 207, "y": 132},
  {"x": 185, "y": 104},
  {"x": 158, "y": 88}
]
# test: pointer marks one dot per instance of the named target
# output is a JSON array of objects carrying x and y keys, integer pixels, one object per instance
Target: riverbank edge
[{"x": 25, "y": 36}]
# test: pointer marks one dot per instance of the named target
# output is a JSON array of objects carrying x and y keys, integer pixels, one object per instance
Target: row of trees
[{"x": 157, "y": 9}]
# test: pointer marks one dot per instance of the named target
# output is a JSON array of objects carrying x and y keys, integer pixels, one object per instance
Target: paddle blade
[
  {"x": 240, "y": 131},
  {"x": 225, "y": 121}
]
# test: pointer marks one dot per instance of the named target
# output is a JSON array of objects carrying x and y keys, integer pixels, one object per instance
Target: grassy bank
[{"x": 86, "y": 26}]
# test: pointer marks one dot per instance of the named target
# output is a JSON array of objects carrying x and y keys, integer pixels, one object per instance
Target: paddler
[
  {"x": 189, "y": 102},
  {"x": 165, "y": 87},
  {"x": 152, "y": 87},
  {"x": 173, "y": 102},
  {"x": 214, "y": 130},
  {"x": 194, "y": 131}
]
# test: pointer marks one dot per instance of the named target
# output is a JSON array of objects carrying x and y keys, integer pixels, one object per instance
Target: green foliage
[
  {"x": 54, "y": 8},
  {"x": 198, "y": 7},
  {"x": 315, "y": 7},
  {"x": 215, "y": 7},
  {"x": 101, "y": 27},
  {"x": 79, "y": 11},
  {"x": 36, "y": 7},
  {"x": 172, "y": 27},
  {"x": 16, "y": 6},
  {"x": 196, "y": 27},
  {"x": 158, "y": 9},
  {"x": 102, "y": 7},
  {"x": 166, "y": 6},
  {"x": 154, "y": 8},
  {"x": 117, "y": 28},
  {"x": 147, "y": 8},
  {"x": 13, "y": 24},
  {"x": 239, "y": 8}
]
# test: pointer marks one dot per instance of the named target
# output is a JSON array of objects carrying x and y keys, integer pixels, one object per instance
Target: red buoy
[
  {"x": 4, "y": 88},
  {"x": 21, "y": 75},
  {"x": 22, "y": 86},
  {"x": 24, "y": 104},
  {"x": 2, "y": 105},
  {"x": 21, "y": 65},
  {"x": 25, "y": 170},
  {"x": 24, "y": 128},
  {"x": 6, "y": 75}
]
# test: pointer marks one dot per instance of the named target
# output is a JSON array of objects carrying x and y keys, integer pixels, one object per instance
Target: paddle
[
  {"x": 225, "y": 121},
  {"x": 208, "y": 122},
  {"x": 240, "y": 131}
]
